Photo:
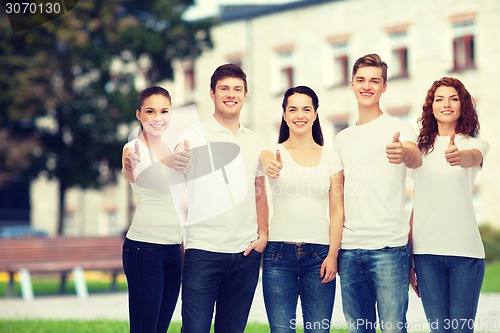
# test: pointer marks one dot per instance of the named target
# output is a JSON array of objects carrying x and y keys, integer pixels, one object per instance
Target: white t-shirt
[
  {"x": 300, "y": 199},
  {"x": 155, "y": 218},
  {"x": 374, "y": 189},
  {"x": 444, "y": 222},
  {"x": 221, "y": 210}
]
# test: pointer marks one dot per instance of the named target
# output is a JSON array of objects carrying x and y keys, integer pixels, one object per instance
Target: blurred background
[{"x": 68, "y": 87}]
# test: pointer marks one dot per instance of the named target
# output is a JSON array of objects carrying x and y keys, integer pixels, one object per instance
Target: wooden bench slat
[{"x": 61, "y": 254}]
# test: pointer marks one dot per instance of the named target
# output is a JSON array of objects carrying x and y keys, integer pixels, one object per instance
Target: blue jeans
[
  {"x": 290, "y": 271},
  {"x": 153, "y": 274},
  {"x": 374, "y": 281},
  {"x": 226, "y": 280},
  {"x": 449, "y": 287}
]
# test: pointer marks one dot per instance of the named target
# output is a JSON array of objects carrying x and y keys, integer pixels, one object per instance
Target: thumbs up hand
[
  {"x": 452, "y": 154},
  {"x": 182, "y": 156},
  {"x": 396, "y": 137},
  {"x": 133, "y": 158},
  {"x": 275, "y": 166},
  {"x": 395, "y": 151}
]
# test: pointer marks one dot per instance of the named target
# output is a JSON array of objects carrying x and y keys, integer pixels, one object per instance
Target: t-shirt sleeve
[
  {"x": 336, "y": 163},
  {"x": 336, "y": 146},
  {"x": 480, "y": 144},
  {"x": 407, "y": 132},
  {"x": 477, "y": 143}
]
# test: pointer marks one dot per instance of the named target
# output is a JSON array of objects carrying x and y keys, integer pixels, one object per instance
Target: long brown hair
[{"x": 468, "y": 123}]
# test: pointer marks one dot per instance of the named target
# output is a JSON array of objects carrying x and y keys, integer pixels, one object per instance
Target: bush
[{"x": 491, "y": 241}]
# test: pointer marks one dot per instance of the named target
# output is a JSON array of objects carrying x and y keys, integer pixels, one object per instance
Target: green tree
[{"x": 62, "y": 105}]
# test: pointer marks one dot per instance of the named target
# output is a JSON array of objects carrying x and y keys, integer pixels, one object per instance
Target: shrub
[{"x": 491, "y": 241}]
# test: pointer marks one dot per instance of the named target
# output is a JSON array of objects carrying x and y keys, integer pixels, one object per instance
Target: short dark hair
[
  {"x": 316, "y": 128},
  {"x": 370, "y": 60},
  {"x": 228, "y": 70}
]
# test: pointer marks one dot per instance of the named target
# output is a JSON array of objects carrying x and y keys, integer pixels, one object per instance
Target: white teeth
[{"x": 230, "y": 103}]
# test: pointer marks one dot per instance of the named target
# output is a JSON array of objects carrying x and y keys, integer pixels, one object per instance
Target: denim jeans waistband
[{"x": 295, "y": 243}]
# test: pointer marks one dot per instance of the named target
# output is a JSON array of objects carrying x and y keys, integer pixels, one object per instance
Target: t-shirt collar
[{"x": 217, "y": 127}]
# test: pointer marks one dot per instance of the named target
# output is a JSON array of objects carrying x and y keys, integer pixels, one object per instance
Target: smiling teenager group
[{"x": 337, "y": 211}]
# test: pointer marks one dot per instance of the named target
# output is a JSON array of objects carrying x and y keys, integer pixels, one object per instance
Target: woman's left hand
[{"x": 328, "y": 269}]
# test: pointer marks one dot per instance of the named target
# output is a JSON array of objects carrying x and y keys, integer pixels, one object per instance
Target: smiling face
[
  {"x": 299, "y": 114},
  {"x": 446, "y": 107},
  {"x": 154, "y": 114},
  {"x": 229, "y": 97},
  {"x": 368, "y": 85}
]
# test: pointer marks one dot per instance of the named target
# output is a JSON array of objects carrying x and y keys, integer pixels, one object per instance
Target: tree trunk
[{"x": 62, "y": 201}]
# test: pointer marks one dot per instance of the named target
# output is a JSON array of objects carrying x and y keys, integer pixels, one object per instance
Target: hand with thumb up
[
  {"x": 278, "y": 157},
  {"x": 395, "y": 151},
  {"x": 452, "y": 154},
  {"x": 182, "y": 156},
  {"x": 272, "y": 163},
  {"x": 133, "y": 158}
]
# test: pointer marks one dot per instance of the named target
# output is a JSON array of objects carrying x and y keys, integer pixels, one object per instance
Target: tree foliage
[{"x": 63, "y": 100}]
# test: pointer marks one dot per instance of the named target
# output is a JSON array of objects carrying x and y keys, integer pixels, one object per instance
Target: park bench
[{"x": 60, "y": 255}]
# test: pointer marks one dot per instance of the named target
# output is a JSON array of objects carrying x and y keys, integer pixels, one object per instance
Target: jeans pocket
[
  {"x": 125, "y": 256},
  {"x": 272, "y": 252},
  {"x": 150, "y": 247},
  {"x": 255, "y": 254},
  {"x": 321, "y": 252}
]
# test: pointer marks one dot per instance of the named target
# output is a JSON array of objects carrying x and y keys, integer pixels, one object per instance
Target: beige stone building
[{"x": 316, "y": 42}]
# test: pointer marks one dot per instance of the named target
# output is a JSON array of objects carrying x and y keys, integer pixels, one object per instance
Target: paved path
[{"x": 114, "y": 306}]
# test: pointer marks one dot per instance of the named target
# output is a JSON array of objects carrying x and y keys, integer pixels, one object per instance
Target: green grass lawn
[
  {"x": 64, "y": 326},
  {"x": 93, "y": 326},
  {"x": 491, "y": 283}
]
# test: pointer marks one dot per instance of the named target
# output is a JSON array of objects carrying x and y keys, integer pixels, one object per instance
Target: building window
[
  {"x": 340, "y": 64},
  {"x": 463, "y": 46},
  {"x": 286, "y": 70},
  {"x": 401, "y": 112},
  {"x": 399, "y": 54},
  {"x": 340, "y": 122},
  {"x": 340, "y": 125},
  {"x": 112, "y": 216}
]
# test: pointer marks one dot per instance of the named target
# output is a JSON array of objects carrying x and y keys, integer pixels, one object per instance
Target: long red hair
[{"x": 468, "y": 123}]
